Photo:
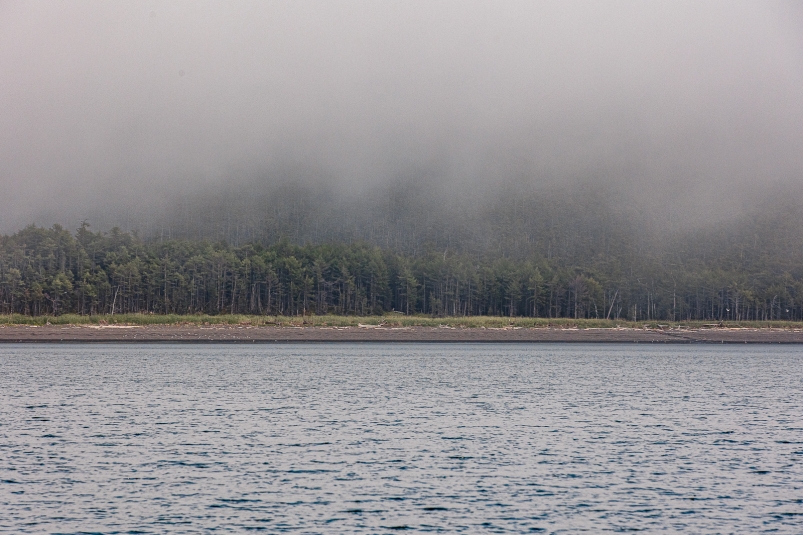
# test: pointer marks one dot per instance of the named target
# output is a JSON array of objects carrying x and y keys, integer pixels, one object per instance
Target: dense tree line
[{"x": 54, "y": 271}]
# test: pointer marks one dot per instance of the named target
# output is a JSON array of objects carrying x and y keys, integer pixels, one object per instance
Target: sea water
[{"x": 375, "y": 438}]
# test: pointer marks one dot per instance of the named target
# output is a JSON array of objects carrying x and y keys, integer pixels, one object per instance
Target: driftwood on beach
[{"x": 381, "y": 333}]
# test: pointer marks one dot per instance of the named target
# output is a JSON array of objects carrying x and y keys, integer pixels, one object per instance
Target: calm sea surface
[{"x": 368, "y": 438}]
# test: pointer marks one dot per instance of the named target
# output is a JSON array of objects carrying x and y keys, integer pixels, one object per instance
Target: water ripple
[{"x": 414, "y": 438}]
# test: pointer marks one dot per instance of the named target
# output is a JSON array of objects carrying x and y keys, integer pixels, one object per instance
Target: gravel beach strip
[{"x": 265, "y": 334}]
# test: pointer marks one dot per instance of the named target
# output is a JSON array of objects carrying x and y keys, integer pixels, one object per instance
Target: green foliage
[{"x": 51, "y": 275}]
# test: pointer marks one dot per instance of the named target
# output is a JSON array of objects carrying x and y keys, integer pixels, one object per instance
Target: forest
[
  {"x": 535, "y": 258},
  {"x": 543, "y": 160}
]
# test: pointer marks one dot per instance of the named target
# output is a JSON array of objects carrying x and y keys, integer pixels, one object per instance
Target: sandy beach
[{"x": 269, "y": 334}]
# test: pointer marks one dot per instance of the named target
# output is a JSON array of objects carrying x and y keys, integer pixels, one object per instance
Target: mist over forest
[{"x": 626, "y": 159}]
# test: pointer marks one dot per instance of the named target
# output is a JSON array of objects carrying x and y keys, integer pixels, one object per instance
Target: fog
[{"x": 183, "y": 114}]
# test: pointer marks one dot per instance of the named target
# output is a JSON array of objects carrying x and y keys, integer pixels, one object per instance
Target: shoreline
[{"x": 384, "y": 334}]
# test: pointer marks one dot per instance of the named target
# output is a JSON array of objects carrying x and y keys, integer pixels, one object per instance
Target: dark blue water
[{"x": 378, "y": 438}]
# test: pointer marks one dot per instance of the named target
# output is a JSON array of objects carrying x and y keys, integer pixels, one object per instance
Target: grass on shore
[{"x": 392, "y": 320}]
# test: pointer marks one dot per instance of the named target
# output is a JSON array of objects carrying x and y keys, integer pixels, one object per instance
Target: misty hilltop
[
  {"x": 137, "y": 114},
  {"x": 625, "y": 160}
]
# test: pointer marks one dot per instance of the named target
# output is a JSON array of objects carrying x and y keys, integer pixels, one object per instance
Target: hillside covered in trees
[
  {"x": 550, "y": 159},
  {"x": 549, "y": 262}
]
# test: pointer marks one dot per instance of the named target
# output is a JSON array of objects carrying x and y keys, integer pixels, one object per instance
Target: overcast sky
[{"x": 131, "y": 103}]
